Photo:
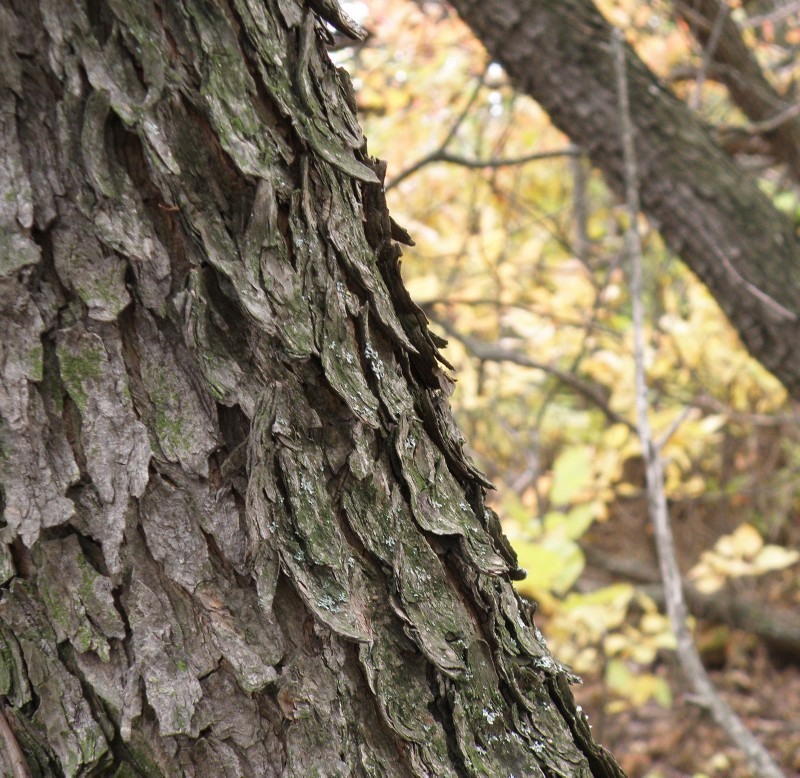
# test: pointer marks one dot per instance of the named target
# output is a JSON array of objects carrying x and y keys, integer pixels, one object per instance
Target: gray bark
[
  {"x": 708, "y": 211},
  {"x": 240, "y": 535}
]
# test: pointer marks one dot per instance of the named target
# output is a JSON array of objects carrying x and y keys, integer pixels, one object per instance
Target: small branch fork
[
  {"x": 442, "y": 155},
  {"x": 758, "y": 757}
]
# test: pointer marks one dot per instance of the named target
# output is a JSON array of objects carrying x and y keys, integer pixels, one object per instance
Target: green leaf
[
  {"x": 570, "y": 473},
  {"x": 553, "y": 565},
  {"x": 579, "y": 519}
]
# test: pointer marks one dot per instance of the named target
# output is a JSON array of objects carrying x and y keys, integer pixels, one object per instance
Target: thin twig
[
  {"x": 774, "y": 305},
  {"x": 708, "y": 55},
  {"x": 451, "y": 133},
  {"x": 487, "y": 352},
  {"x": 777, "y": 15},
  {"x": 706, "y": 402},
  {"x": 672, "y": 429},
  {"x": 466, "y": 109},
  {"x": 758, "y": 757},
  {"x": 523, "y": 305},
  {"x": 768, "y": 125},
  {"x": 440, "y": 155},
  {"x": 580, "y": 213}
]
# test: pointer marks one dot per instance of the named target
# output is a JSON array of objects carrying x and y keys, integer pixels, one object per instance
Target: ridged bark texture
[
  {"x": 240, "y": 536},
  {"x": 708, "y": 211}
]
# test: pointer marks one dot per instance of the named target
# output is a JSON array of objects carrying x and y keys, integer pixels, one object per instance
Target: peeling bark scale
[{"x": 240, "y": 535}]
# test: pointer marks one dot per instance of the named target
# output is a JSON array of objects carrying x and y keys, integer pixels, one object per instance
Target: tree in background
[
  {"x": 240, "y": 533},
  {"x": 718, "y": 220}
]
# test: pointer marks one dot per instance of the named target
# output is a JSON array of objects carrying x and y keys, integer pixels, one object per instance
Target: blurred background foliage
[{"x": 519, "y": 263}]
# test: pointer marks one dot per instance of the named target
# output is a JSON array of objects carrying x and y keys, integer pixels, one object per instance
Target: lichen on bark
[{"x": 241, "y": 534}]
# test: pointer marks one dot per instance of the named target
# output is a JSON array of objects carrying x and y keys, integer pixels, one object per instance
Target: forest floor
[
  {"x": 760, "y": 682},
  {"x": 657, "y": 742}
]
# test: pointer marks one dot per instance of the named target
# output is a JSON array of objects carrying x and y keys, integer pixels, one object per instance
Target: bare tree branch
[
  {"x": 440, "y": 155},
  {"x": 708, "y": 55},
  {"x": 689, "y": 658},
  {"x": 580, "y": 213},
  {"x": 523, "y": 305},
  {"x": 493, "y": 353},
  {"x": 768, "y": 125},
  {"x": 776, "y": 15}
]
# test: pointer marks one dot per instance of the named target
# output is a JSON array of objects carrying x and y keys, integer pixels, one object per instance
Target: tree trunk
[
  {"x": 707, "y": 209},
  {"x": 240, "y": 536}
]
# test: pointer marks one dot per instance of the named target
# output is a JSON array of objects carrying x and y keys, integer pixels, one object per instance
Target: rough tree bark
[
  {"x": 240, "y": 535},
  {"x": 708, "y": 211}
]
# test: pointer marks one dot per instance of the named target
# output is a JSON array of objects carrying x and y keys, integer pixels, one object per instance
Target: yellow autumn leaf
[
  {"x": 772, "y": 557},
  {"x": 553, "y": 565},
  {"x": 744, "y": 542}
]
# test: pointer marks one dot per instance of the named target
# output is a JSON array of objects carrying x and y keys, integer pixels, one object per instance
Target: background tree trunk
[
  {"x": 240, "y": 533},
  {"x": 708, "y": 211}
]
